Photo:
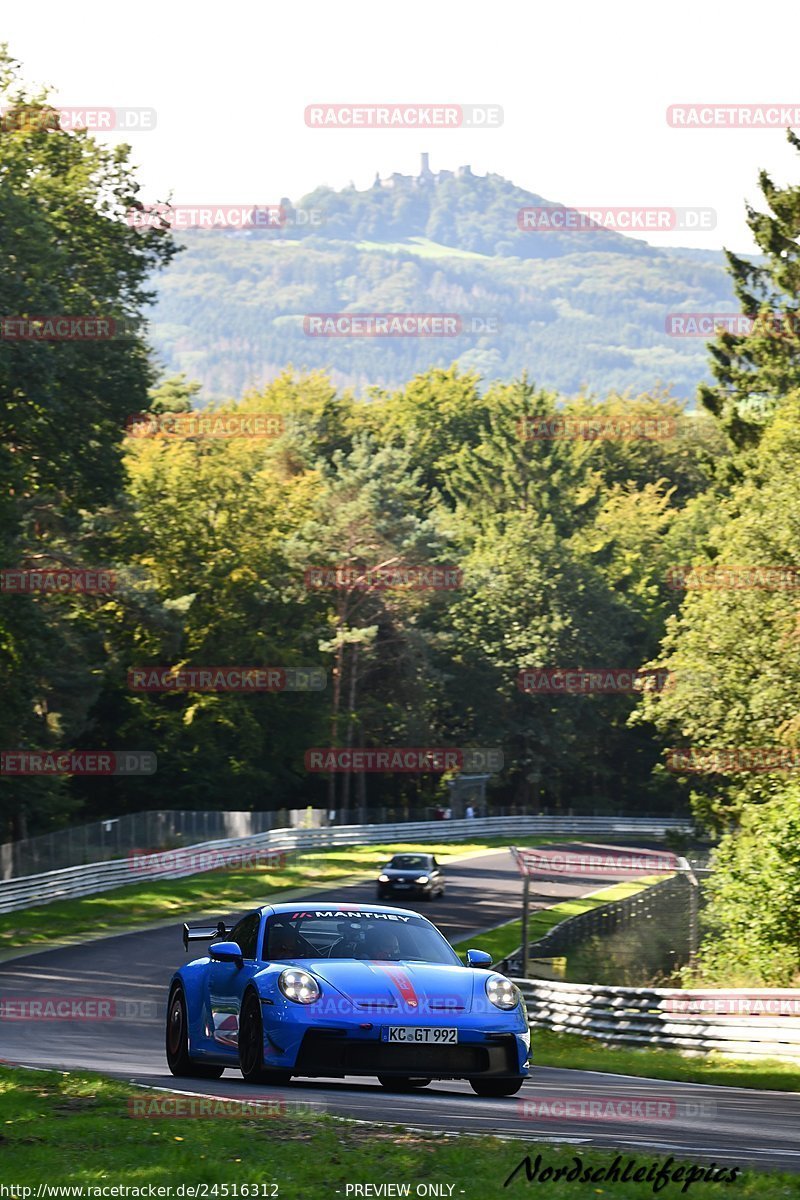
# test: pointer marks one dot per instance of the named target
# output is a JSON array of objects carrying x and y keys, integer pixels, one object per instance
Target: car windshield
[
  {"x": 364, "y": 935},
  {"x": 410, "y": 862}
]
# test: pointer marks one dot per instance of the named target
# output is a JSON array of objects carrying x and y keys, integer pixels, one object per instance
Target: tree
[
  {"x": 212, "y": 583},
  {"x": 435, "y": 416},
  {"x": 754, "y": 370},
  {"x": 174, "y": 395},
  {"x": 367, "y": 520},
  {"x": 752, "y": 919},
  {"x": 733, "y": 648},
  {"x": 562, "y": 543},
  {"x": 66, "y": 249}
]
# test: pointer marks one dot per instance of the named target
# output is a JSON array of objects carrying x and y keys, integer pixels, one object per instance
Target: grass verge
[
  {"x": 507, "y": 938},
  {"x": 218, "y": 891},
  {"x": 586, "y": 1054},
  {"x": 76, "y": 1130}
]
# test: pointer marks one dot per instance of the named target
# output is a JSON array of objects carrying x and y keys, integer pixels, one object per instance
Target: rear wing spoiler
[{"x": 203, "y": 933}]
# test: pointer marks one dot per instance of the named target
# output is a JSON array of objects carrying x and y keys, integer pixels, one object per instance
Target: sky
[{"x": 584, "y": 90}]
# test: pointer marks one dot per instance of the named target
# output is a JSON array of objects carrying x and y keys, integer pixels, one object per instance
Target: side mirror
[
  {"x": 227, "y": 952},
  {"x": 478, "y": 958}
]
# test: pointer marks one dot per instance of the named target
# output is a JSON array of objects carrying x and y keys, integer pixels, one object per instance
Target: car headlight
[
  {"x": 298, "y": 986},
  {"x": 502, "y": 992},
  {"x": 383, "y": 879},
  {"x": 421, "y": 879}
]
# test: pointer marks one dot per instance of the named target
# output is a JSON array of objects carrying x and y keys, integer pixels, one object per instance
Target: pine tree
[{"x": 756, "y": 368}]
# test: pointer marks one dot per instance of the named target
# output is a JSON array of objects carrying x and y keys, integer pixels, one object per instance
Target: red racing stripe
[{"x": 403, "y": 984}]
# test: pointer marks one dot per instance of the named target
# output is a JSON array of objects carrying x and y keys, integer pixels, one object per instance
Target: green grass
[
  {"x": 423, "y": 247},
  {"x": 212, "y": 891},
  {"x": 76, "y": 1129},
  {"x": 587, "y": 1054},
  {"x": 507, "y": 938}
]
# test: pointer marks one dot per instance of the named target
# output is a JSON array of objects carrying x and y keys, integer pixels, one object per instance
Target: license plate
[
  {"x": 402, "y": 885},
  {"x": 417, "y": 1033}
]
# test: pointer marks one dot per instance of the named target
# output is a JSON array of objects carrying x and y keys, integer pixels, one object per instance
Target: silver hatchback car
[{"x": 416, "y": 875}]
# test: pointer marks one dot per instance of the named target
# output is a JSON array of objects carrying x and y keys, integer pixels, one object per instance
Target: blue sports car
[{"x": 319, "y": 990}]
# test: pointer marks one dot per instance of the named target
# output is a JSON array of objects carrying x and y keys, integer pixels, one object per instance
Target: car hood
[
  {"x": 406, "y": 872},
  {"x": 409, "y": 987}
]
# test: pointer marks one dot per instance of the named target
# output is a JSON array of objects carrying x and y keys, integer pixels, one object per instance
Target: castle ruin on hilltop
[{"x": 426, "y": 176}]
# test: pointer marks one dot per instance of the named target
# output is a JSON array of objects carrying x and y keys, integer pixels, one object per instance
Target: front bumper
[
  {"x": 310, "y": 1043},
  {"x": 336, "y": 1053},
  {"x": 339, "y": 1036},
  {"x": 386, "y": 890}
]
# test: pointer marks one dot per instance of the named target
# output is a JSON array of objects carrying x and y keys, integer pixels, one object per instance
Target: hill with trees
[{"x": 576, "y": 309}]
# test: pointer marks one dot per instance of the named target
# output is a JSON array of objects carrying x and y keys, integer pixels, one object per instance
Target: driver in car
[
  {"x": 283, "y": 942},
  {"x": 383, "y": 944},
  {"x": 349, "y": 942}
]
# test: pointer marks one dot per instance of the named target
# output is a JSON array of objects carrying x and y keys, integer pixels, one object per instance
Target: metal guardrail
[
  {"x": 93, "y": 878},
  {"x": 741, "y": 1022},
  {"x": 116, "y": 837}
]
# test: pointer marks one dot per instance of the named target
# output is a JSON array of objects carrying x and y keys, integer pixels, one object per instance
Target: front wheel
[
  {"x": 251, "y": 1046},
  {"x": 497, "y": 1087},
  {"x": 177, "y": 1041},
  {"x": 402, "y": 1083}
]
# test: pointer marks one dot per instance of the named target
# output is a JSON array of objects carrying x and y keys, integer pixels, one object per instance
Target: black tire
[
  {"x": 497, "y": 1087},
  {"x": 402, "y": 1083},
  {"x": 251, "y": 1045},
  {"x": 177, "y": 1041}
]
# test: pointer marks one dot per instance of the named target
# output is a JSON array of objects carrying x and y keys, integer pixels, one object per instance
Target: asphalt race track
[{"x": 696, "y": 1122}]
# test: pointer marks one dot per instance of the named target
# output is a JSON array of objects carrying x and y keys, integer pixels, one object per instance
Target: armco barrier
[
  {"x": 92, "y": 878},
  {"x": 642, "y": 1017}
]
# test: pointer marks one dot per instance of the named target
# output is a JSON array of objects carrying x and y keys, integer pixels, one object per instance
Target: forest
[{"x": 584, "y": 548}]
